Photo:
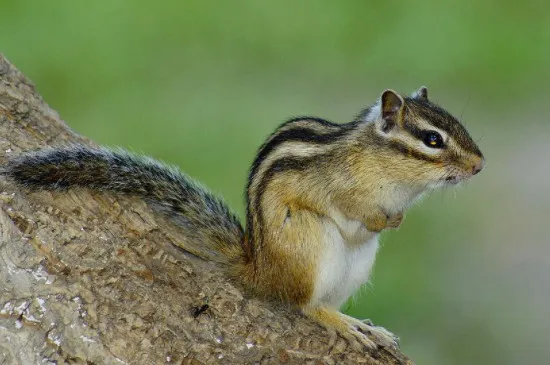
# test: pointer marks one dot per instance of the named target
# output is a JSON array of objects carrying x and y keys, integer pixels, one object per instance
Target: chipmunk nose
[{"x": 478, "y": 166}]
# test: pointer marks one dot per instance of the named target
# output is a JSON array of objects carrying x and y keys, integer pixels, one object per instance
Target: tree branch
[{"x": 96, "y": 278}]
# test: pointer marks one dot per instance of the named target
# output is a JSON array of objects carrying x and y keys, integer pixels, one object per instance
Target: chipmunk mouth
[
  {"x": 453, "y": 179},
  {"x": 456, "y": 177}
]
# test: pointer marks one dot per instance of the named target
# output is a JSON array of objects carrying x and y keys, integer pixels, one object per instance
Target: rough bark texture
[{"x": 91, "y": 278}]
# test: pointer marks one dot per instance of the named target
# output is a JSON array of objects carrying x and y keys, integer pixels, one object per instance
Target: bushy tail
[{"x": 209, "y": 225}]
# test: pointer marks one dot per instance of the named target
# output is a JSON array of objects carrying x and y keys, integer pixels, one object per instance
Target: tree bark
[{"x": 89, "y": 278}]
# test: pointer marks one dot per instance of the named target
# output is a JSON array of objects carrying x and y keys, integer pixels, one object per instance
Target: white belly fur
[{"x": 345, "y": 264}]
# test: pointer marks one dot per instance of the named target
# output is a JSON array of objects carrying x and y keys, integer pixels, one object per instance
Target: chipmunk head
[{"x": 434, "y": 146}]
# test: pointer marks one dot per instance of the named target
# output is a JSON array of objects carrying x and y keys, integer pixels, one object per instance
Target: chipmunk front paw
[
  {"x": 394, "y": 221},
  {"x": 376, "y": 222}
]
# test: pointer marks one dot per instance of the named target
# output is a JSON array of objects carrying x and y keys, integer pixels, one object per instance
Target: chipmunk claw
[
  {"x": 358, "y": 333},
  {"x": 382, "y": 336}
]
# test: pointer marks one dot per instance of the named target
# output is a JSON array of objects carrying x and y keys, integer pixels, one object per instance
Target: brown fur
[{"x": 359, "y": 173}]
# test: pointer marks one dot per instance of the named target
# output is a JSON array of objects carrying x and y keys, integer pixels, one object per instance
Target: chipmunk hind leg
[{"x": 359, "y": 334}]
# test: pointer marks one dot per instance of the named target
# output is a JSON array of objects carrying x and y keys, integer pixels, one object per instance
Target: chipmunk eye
[{"x": 433, "y": 139}]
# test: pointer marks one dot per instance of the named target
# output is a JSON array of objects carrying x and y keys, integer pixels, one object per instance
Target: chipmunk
[{"x": 318, "y": 195}]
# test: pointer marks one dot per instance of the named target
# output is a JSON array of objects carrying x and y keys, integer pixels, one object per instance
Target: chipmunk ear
[
  {"x": 421, "y": 93},
  {"x": 391, "y": 107}
]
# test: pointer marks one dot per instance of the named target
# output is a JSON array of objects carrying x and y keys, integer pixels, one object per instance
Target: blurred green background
[{"x": 466, "y": 279}]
